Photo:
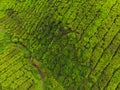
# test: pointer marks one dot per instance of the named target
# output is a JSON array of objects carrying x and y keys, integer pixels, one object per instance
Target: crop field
[{"x": 59, "y": 44}]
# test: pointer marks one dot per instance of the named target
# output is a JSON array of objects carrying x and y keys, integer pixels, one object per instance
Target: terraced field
[
  {"x": 75, "y": 44},
  {"x": 15, "y": 70}
]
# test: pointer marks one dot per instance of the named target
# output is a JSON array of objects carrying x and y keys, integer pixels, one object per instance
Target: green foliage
[{"x": 75, "y": 42}]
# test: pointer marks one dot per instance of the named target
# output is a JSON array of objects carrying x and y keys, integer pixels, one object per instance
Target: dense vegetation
[{"x": 76, "y": 43}]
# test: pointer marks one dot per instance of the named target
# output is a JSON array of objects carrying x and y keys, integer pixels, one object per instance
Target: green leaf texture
[{"x": 74, "y": 44}]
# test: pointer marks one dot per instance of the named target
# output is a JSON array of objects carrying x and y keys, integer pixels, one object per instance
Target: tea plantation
[{"x": 59, "y": 44}]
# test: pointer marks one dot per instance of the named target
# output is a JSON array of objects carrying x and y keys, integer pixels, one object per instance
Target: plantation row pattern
[{"x": 79, "y": 42}]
